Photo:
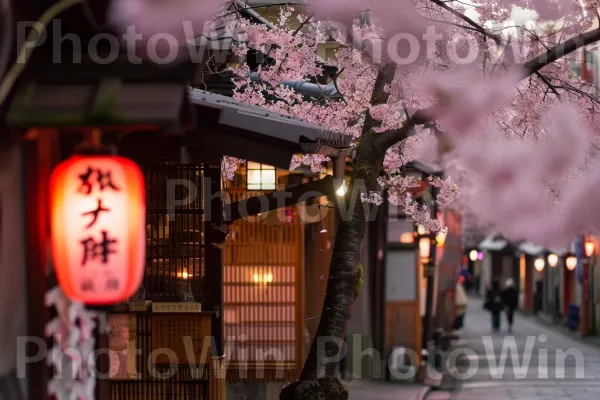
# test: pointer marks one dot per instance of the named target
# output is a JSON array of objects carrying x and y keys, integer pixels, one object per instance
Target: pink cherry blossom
[
  {"x": 494, "y": 138},
  {"x": 464, "y": 97},
  {"x": 314, "y": 161}
]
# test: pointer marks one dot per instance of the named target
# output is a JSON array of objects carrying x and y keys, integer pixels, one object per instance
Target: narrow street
[{"x": 535, "y": 362}]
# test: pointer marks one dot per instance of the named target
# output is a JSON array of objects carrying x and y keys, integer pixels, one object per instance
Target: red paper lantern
[{"x": 98, "y": 228}]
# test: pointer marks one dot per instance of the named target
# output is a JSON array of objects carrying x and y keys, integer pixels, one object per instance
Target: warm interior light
[
  {"x": 183, "y": 275},
  {"x": 421, "y": 230},
  {"x": 571, "y": 263},
  {"x": 342, "y": 189},
  {"x": 539, "y": 264},
  {"x": 552, "y": 260},
  {"x": 260, "y": 176},
  {"x": 263, "y": 278},
  {"x": 440, "y": 239},
  {"x": 589, "y": 248},
  {"x": 473, "y": 255},
  {"x": 407, "y": 237},
  {"x": 424, "y": 248}
]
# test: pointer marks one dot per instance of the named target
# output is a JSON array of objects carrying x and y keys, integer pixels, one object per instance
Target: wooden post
[
  {"x": 585, "y": 298},
  {"x": 216, "y": 381},
  {"x": 38, "y": 158},
  {"x": 213, "y": 296}
]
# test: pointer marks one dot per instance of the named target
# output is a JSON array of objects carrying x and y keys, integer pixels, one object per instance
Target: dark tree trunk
[{"x": 318, "y": 380}]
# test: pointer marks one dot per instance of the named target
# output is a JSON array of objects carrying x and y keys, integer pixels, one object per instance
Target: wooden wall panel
[
  {"x": 263, "y": 294},
  {"x": 399, "y": 326}
]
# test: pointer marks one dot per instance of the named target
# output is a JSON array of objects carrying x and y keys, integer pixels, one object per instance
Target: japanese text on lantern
[{"x": 97, "y": 244}]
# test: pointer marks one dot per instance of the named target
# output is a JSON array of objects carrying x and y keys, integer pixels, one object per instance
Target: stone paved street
[
  {"x": 547, "y": 365},
  {"x": 363, "y": 389}
]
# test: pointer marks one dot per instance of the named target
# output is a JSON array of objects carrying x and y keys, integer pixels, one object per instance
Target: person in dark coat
[
  {"x": 510, "y": 297},
  {"x": 494, "y": 304}
]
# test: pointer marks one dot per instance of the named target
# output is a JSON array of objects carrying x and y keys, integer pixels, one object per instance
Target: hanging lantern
[{"x": 98, "y": 227}]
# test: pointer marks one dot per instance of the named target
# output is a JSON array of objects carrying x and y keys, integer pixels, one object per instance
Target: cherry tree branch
[
  {"x": 548, "y": 83},
  {"x": 388, "y": 138},
  {"x": 561, "y": 50},
  {"x": 475, "y": 25}
]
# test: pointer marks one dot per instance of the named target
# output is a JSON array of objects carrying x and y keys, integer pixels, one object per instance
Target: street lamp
[
  {"x": 473, "y": 255},
  {"x": 552, "y": 260},
  {"x": 341, "y": 191},
  {"x": 539, "y": 264},
  {"x": 571, "y": 263}
]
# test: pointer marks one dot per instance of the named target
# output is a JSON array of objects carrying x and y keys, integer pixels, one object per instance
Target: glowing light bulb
[
  {"x": 539, "y": 264},
  {"x": 571, "y": 263},
  {"x": 342, "y": 190},
  {"x": 473, "y": 255}
]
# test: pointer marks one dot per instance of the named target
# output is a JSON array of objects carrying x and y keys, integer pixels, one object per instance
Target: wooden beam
[
  {"x": 38, "y": 158},
  {"x": 279, "y": 199}
]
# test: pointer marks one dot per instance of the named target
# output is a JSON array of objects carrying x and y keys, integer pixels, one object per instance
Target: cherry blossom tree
[{"x": 492, "y": 102}]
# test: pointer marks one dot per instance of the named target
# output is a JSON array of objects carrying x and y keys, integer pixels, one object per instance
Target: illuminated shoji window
[{"x": 260, "y": 176}]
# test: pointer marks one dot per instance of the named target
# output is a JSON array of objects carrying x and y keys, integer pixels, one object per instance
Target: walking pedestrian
[
  {"x": 493, "y": 303},
  {"x": 510, "y": 297},
  {"x": 461, "y": 301}
]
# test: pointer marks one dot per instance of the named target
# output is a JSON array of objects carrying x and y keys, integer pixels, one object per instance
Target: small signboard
[
  {"x": 177, "y": 307},
  {"x": 122, "y": 346},
  {"x": 181, "y": 338}
]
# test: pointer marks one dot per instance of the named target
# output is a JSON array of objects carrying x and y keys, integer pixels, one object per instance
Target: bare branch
[
  {"x": 547, "y": 82},
  {"x": 561, "y": 50},
  {"x": 469, "y": 21}
]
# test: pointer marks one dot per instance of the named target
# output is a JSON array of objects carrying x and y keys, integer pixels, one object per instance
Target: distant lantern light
[
  {"x": 552, "y": 260},
  {"x": 480, "y": 255},
  {"x": 260, "y": 177},
  {"x": 473, "y": 255},
  {"x": 589, "y": 248},
  {"x": 571, "y": 263},
  {"x": 98, "y": 228},
  {"x": 539, "y": 264},
  {"x": 421, "y": 230},
  {"x": 407, "y": 237},
  {"x": 424, "y": 248},
  {"x": 440, "y": 239}
]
